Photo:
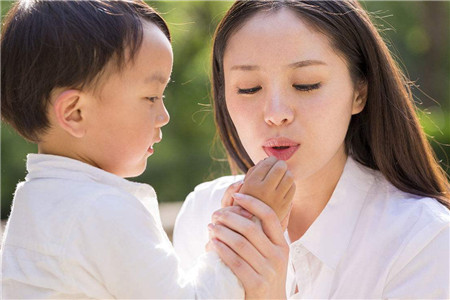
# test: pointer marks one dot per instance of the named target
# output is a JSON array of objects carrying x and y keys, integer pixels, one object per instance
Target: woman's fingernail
[
  {"x": 210, "y": 227},
  {"x": 238, "y": 196}
]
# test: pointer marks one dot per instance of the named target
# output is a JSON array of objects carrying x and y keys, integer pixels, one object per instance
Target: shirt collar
[
  {"x": 40, "y": 166},
  {"x": 328, "y": 237}
]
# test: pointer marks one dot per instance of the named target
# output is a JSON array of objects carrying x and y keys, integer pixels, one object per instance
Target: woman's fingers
[
  {"x": 237, "y": 209},
  {"x": 270, "y": 222},
  {"x": 240, "y": 245},
  {"x": 237, "y": 264},
  {"x": 249, "y": 229}
]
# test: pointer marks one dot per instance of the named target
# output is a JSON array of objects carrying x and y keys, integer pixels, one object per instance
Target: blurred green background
[{"x": 417, "y": 34}]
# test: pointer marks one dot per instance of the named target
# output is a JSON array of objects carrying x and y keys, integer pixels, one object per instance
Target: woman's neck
[{"x": 312, "y": 195}]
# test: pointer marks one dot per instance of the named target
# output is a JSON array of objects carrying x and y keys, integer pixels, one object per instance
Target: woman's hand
[
  {"x": 257, "y": 255},
  {"x": 269, "y": 181}
]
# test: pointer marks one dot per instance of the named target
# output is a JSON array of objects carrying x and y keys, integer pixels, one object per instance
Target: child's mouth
[{"x": 150, "y": 150}]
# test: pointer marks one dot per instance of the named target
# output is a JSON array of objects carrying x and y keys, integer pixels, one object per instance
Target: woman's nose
[{"x": 277, "y": 112}]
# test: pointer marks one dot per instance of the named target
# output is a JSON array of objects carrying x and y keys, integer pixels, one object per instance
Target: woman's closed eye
[
  {"x": 307, "y": 87},
  {"x": 249, "y": 91}
]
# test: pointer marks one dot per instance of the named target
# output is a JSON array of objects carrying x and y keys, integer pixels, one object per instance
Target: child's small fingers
[
  {"x": 260, "y": 171},
  {"x": 249, "y": 172},
  {"x": 285, "y": 220},
  {"x": 275, "y": 175},
  {"x": 285, "y": 184},
  {"x": 290, "y": 194}
]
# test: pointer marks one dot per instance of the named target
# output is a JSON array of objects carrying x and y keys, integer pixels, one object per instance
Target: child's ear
[
  {"x": 68, "y": 112},
  {"x": 360, "y": 97}
]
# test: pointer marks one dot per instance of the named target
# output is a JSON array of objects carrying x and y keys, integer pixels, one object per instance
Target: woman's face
[{"x": 288, "y": 93}]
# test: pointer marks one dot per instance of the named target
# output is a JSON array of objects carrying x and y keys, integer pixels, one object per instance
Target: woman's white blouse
[{"x": 371, "y": 240}]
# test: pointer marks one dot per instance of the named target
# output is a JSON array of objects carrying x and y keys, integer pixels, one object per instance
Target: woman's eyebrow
[
  {"x": 298, "y": 64},
  {"x": 306, "y": 63}
]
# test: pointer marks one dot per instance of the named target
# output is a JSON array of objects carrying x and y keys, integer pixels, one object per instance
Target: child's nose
[{"x": 163, "y": 118}]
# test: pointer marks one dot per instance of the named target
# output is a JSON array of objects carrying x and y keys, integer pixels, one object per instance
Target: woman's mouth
[{"x": 281, "y": 148}]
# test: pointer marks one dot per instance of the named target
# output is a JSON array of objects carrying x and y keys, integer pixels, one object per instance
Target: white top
[
  {"x": 76, "y": 231},
  {"x": 370, "y": 241}
]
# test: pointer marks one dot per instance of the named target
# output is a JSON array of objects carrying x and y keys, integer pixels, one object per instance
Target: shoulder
[
  {"x": 424, "y": 245},
  {"x": 409, "y": 224},
  {"x": 409, "y": 210}
]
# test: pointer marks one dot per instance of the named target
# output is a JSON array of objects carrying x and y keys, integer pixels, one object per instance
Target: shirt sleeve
[
  {"x": 190, "y": 232},
  {"x": 117, "y": 244},
  {"x": 422, "y": 271}
]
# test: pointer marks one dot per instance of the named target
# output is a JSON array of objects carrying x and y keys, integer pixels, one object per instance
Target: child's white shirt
[
  {"x": 76, "y": 231},
  {"x": 371, "y": 241}
]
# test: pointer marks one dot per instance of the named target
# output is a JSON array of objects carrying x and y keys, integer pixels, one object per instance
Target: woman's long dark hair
[{"x": 386, "y": 135}]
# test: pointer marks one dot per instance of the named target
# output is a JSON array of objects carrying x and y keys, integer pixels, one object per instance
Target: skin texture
[
  {"x": 283, "y": 79},
  {"x": 114, "y": 128}
]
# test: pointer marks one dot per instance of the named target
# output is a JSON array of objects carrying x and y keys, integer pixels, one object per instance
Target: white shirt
[
  {"x": 76, "y": 231},
  {"x": 370, "y": 241}
]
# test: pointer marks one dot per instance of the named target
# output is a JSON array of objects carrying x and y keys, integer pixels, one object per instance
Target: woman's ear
[
  {"x": 360, "y": 98},
  {"x": 68, "y": 112}
]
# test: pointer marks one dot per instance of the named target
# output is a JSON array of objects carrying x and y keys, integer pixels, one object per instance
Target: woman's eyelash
[
  {"x": 299, "y": 87},
  {"x": 306, "y": 87},
  {"x": 250, "y": 90}
]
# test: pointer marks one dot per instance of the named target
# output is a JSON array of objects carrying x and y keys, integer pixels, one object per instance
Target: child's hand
[{"x": 271, "y": 182}]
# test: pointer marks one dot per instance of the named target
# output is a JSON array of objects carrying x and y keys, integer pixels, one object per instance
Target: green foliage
[{"x": 185, "y": 156}]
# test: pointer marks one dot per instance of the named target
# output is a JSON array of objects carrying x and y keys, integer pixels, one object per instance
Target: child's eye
[
  {"x": 306, "y": 87},
  {"x": 249, "y": 91},
  {"x": 154, "y": 98}
]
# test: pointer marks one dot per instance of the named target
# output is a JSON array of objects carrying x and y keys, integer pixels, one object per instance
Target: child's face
[
  {"x": 288, "y": 93},
  {"x": 125, "y": 121}
]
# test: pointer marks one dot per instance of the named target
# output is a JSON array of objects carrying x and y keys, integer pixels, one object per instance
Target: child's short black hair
[{"x": 50, "y": 44}]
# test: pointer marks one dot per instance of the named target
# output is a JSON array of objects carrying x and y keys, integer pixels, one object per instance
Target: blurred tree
[{"x": 186, "y": 156}]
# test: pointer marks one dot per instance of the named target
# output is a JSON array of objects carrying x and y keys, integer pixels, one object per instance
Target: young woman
[{"x": 312, "y": 83}]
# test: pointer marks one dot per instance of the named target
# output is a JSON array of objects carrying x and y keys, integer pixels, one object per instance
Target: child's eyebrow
[{"x": 156, "y": 77}]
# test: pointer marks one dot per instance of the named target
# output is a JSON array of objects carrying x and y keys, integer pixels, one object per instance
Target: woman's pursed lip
[
  {"x": 281, "y": 153},
  {"x": 280, "y": 142}
]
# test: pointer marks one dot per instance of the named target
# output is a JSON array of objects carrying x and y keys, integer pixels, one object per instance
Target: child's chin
[{"x": 131, "y": 172}]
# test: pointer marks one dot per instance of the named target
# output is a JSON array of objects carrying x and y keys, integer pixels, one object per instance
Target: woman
[{"x": 312, "y": 83}]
